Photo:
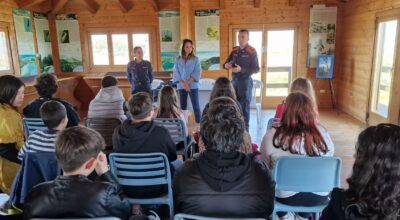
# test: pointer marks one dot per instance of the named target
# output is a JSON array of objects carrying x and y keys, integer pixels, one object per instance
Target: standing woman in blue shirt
[{"x": 187, "y": 72}]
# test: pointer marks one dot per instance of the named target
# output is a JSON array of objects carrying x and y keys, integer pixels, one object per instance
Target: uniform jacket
[{"x": 246, "y": 58}]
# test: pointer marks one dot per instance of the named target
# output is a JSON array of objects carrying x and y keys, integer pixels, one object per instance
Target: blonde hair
[{"x": 302, "y": 84}]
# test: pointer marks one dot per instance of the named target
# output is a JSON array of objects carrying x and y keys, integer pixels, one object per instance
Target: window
[
  {"x": 113, "y": 49},
  {"x": 120, "y": 49},
  {"x": 5, "y": 54},
  {"x": 100, "y": 49}
]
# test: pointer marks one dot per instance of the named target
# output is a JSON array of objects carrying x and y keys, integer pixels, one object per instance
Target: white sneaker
[
  {"x": 288, "y": 216},
  {"x": 153, "y": 215}
]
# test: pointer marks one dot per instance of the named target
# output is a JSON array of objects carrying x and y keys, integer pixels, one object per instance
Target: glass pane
[
  {"x": 142, "y": 40},
  {"x": 255, "y": 40},
  {"x": 4, "y": 59},
  {"x": 100, "y": 49},
  {"x": 384, "y": 62},
  {"x": 120, "y": 49},
  {"x": 279, "y": 61}
]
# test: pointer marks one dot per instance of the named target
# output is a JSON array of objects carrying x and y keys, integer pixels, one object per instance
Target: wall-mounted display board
[
  {"x": 43, "y": 42},
  {"x": 25, "y": 42},
  {"x": 322, "y": 33},
  {"x": 169, "y": 37},
  {"x": 69, "y": 43},
  {"x": 207, "y": 38}
]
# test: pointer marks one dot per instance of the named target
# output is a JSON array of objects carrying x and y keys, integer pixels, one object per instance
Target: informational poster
[
  {"x": 322, "y": 33},
  {"x": 25, "y": 42},
  {"x": 43, "y": 42},
  {"x": 69, "y": 43},
  {"x": 207, "y": 38},
  {"x": 169, "y": 37}
]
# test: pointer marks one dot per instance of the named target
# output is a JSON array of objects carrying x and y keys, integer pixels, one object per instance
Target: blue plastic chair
[
  {"x": 31, "y": 125},
  {"x": 144, "y": 170},
  {"x": 305, "y": 174},
  {"x": 196, "y": 217},
  {"x": 271, "y": 122},
  {"x": 176, "y": 129}
]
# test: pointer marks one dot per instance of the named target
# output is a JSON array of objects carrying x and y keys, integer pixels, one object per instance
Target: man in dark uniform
[
  {"x": 140, "y": 73},
  {"x": 243, "y": 61}
]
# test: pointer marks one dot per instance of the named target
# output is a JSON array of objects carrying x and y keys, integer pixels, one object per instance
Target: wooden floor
[{"x": 342, "y": 128}]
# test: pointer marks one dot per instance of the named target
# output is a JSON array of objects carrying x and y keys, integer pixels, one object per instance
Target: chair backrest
[
  {"x": 101, "y": 218},
  {"x": 156, "y": 83},
  {"x": 175, "y": 127},
  {"x": 206, "y": 84},
  {"x": 105, "y": 126},
  {"x": 257, "y": 87},
  {"x": 141, "y": 169},
  {"x": 32, "y": 124},
  {"x": 196, "y": 217},
  {"x": 307, "y": 174}
]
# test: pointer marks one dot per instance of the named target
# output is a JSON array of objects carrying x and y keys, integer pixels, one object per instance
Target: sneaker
[
  {"x": 288, "y": 216},
  {"x": 152, "y": 215}
]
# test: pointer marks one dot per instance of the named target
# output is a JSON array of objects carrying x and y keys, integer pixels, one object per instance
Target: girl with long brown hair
[{"x": 297, "y": 134}]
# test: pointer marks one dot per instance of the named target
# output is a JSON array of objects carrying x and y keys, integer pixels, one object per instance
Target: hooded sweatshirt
[{"x": 108, "y": 103}]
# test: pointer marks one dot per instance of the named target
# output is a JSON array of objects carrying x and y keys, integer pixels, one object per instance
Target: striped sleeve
[{"x": 38, "y": 141}]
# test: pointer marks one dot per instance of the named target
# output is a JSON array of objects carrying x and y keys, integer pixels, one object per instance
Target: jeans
[
  {"x": 243, "y": 89},
  {"x": 194, "y": 97}
]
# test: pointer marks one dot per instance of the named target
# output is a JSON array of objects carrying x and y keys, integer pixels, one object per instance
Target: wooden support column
[
  {"x": 186, "y": 15},
  {"x": 54, "y": 44}
]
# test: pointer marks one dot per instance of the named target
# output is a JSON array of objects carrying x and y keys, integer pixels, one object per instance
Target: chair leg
[
  {"x": 317, "y": 216},
  {"x": 274, "y": 216}
]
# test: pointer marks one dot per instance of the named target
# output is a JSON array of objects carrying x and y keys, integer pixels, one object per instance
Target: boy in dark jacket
[
  {"x": 142, "y": 135},
  {"x": 73, "y": 195}
]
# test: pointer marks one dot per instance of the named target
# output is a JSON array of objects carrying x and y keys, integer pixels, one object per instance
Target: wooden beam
[
  {"x": 125, "y": 5},
  {"x": 58, "y": 5},
  {"x": 91, "y": 5},
  {"x": 28, "y": 3},
  {"x": 154, "y": 5},
  {"x": 221, "y": 4},
  {"x": 257, "y": 3},
  {"x": 44, "y": 7},
  {"x": 291, "y": 2}
]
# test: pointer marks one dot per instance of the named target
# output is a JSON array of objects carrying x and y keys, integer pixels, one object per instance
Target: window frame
[
  {"x": 6, "y": 29},
  {"x": 109, "y": 32}
]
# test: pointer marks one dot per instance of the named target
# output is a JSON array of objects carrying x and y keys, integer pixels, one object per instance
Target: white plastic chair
[
  {"x": 257, "y": 86},
  {"x": 206, "y": 85},
  {"x": 156, "y": 83}
]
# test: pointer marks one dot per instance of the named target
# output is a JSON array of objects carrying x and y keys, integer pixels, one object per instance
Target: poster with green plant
[
  {"x": 43, "y": 42},
  {"x": 170, "y": 38},
  {"x": 207, "y": 38},
  {"x": 25, "y": 42},
  {"x": 69, "y": 43}
]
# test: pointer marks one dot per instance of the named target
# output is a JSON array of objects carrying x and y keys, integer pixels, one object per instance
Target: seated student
[
  {"x": 141, "y": 135},
  {"x": 73, "y": 195},
  {"x": 55, "y": 118},
  {"x": 223, "y": 182},
  {"x": 109, "y": 102},
  {"x": 374, "y": 186},
  {"x": 300, "y": 84},
  {"x": 297, "y": 134},
  {"x": 11, "y": 131},
  {"x": 46, "y": 86}
]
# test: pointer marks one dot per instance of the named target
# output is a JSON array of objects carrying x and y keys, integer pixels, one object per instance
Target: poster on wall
[
  {"x": 322, "y": 33},
  {"x": 169, "y": 37},
  {"x": 25, "y": 42},
  {"x": 207, "y": 38},
  {"x": 69, "y": 43},
  {"x": 43, "y": 42}
]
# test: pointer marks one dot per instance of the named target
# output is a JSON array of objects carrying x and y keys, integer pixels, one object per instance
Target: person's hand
[
  {"x": 185, "y": 86},
  {"x": 102, "y": 164},
  {"x": 228, "y": 65},
  {"x": 237, "y": 69}
]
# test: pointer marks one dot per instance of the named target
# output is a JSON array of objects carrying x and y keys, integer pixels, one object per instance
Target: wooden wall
[{"x": 356, "y": 57}]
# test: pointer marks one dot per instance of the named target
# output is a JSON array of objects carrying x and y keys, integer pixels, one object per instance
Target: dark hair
[
  {"x": 168, "y": 103},
  {"x": 135, "y": 49},
  {"x": 46, "y": 85},
  {"x": 183, "y": 54},
  {"x": 9, "y": 86},
  {"x": 140, "y": 105},
  {"x": 223, "y": 127},
  {"x": 52, "y": 113},
  {"x": 298, "y": 122},
  {"x": 76, "y": 145},
  {"x": 374, "y": 186},
  {"x": 244, "y": 31},
  {"x": 223, "y": 87},
  {"x": 108, "y": 81}
]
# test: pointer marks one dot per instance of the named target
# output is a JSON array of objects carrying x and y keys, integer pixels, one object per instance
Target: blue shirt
[{"x": 184, "y": 70}]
